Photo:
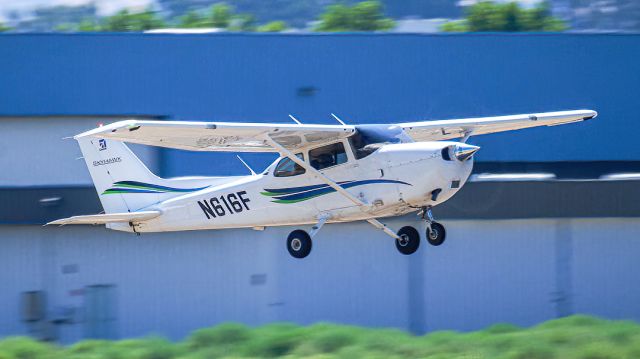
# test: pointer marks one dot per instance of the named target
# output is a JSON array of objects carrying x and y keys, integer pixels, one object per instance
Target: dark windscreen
[{"x": 369, "y": 138}]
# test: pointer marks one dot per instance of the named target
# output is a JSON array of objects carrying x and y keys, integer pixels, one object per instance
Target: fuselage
[{"x": 394, "y": 179}]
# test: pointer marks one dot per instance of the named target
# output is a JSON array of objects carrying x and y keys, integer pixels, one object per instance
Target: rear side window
[
  {"x": 287, "y": 168},
  {"x": 327, "y": 156}
]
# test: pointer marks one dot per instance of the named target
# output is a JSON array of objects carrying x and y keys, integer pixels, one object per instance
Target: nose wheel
[{"x": 436, "y": 234}]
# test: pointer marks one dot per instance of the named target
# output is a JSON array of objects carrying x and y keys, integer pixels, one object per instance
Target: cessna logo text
[
  {"x": 226, "y": 204},
  {"x": 107, "y": 161}
]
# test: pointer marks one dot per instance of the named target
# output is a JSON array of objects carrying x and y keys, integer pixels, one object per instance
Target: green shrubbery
[{"x": 577, "y": 337}]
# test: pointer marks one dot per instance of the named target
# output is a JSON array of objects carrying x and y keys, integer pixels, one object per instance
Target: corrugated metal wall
[
  {"x": 364, "y": 78},
  {"x": 517, "y": 271}
]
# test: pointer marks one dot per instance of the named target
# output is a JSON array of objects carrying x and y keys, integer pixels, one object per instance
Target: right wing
[
  {"x": 448, "y": 129},
  {"x": 108, "y": 218},
  {"x": 220, "y": 136}
]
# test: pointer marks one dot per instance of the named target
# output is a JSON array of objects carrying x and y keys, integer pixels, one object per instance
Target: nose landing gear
[{"x": 436, "y": 234}]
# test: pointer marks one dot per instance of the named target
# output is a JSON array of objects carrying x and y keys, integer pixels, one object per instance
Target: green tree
[
  {"x": 193, "y": 19},
  {"x": 455, "y": 26},
  {"x": 124, "y": 21},
  {"x": 4, "y": 28},
  {"x": 88, "y": 25},
  {"x": 242, "y": 22},
  {"x": 505, "y": 17},
  {"x": 64, "y": 27},
  {"x": 273, "y": 26},
  {"x": 221, "y": 15},
  {"x": 363, "y": 16}
]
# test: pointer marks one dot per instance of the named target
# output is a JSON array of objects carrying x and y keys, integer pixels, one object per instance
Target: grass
[{"x": 576, "y": 337}]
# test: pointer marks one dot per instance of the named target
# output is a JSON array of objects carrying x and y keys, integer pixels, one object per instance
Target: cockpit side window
[
  {"x": 287, "y": 168},
  {"x": 327, "y": 156}
]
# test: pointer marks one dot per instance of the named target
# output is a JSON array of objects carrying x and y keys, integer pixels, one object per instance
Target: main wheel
[
  {"x": 299, "y": 244},
  {"x": 409, "y": 240},
  {"x": 437, "y": 234}
]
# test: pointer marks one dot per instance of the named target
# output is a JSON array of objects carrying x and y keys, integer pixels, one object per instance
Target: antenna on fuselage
[
  {"x": 246, "y": 165},
  {"x": 295, "y": 119},
  {"x": 338, "y": 119}
]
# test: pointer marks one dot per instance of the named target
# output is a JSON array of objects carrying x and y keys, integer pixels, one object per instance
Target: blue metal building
[{"x": 517, "y": 252}]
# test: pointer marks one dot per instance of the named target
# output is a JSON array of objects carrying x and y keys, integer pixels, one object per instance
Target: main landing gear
[
  {"x": 299, "y": 242},
  {"x": 407, "y": 239}
]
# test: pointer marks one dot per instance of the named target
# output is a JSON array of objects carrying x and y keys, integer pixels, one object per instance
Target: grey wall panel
[
  {"x": 606, "y": 273},
  {"x": 355, "y": 275},
  {"x": 172, "y": 283},
  {"x": 22, "y": 270},
  {"x": 489, "y": 272},
  {"x": 37, "y": 155}
]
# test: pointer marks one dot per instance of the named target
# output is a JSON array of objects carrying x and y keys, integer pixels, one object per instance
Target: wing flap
[
  {"x": 219, "y": 136},
  {"x": 108, "y": 218},
  {"x": 448, "y": 129}
]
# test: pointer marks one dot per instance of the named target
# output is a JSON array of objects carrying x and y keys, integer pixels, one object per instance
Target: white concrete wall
[
  {"x": 33, "y": 152},
  {"x": 173, "y": 283}
]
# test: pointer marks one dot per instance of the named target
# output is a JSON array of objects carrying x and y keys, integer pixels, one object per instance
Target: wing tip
[
  {"x": 108, "y": 128},
  {"x": 590, "y": 114}
]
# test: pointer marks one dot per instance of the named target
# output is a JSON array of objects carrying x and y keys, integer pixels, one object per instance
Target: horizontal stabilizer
[{"x": 108, "y": 218}]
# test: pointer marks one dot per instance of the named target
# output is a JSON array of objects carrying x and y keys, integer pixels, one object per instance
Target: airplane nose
[{"x": 464, "y": 151}]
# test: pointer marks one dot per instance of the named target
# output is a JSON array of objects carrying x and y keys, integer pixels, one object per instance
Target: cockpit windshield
[{"x": 368, "y": 138}]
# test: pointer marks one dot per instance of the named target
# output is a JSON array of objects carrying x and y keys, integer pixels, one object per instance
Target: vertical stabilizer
[{"x": 118, "y": 175}]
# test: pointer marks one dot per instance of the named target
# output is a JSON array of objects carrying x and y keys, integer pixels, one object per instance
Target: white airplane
[{"x": 326, "y": 174}]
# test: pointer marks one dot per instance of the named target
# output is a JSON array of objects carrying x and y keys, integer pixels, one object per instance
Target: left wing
[
  {"x": 448, "y": 129},
  {"x": 220, "y": 136}
]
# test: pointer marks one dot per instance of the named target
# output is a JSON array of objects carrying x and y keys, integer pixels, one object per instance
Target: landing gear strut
[
  {"x": 299, "y": 242},
  {"x": 436, "y": 233}
]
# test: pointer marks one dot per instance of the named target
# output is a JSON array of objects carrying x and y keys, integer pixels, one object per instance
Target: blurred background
[{"x": 548, "y": 226}]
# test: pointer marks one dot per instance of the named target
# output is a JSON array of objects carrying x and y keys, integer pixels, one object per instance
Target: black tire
[
  {"x": 437, "y": 234},
  {"x": 411, "y": 240},
  {"x": 299, "y": 244}
]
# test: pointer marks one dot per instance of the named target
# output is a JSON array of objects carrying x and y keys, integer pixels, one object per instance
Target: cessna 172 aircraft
[{"x": 326, "y": 174}]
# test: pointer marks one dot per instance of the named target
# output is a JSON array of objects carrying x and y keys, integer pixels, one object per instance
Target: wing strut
[
  {"x": 465, "y": 136},
  {"x": 357, "y": 201}
]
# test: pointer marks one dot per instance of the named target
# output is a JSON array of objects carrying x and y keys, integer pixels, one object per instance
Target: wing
[
  {"x": 448, "y": 129},
  {"x": 220, "y": 136},
  {"x": 108, "y": 218}
]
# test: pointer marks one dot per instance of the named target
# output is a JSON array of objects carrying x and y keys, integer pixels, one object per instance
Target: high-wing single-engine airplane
[{"x": 325, "y": 174}]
